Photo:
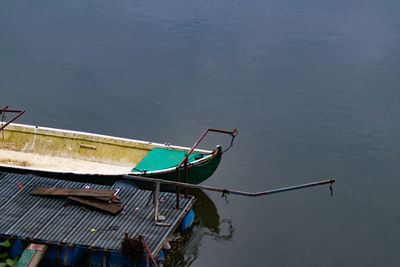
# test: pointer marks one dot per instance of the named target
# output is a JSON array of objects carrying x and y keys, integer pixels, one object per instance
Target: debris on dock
[
  {"x": 45, "y": 220},
  {"x": 97, "y": 204},
  {"x": 99, "y": 199}
]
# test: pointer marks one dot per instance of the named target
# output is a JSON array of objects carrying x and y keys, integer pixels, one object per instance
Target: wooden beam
[
  {"x": 65, "y": 191},
  {"x": 113, "y": 199},
  {"x": 97, "y": 204}
]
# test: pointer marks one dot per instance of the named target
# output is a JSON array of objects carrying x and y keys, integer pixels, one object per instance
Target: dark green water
[{"x": 312, "y": 86}]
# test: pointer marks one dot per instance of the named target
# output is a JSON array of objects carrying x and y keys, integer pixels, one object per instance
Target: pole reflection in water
[{"x": 207, "y": 222}]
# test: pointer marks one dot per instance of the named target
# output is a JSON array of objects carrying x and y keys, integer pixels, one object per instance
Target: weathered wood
[
  {"x": 32, "y": 255},
  {"x": 65, "y": 191},
  {"x": 97, "y": 204},
  {"x": 113, "y": 199}
]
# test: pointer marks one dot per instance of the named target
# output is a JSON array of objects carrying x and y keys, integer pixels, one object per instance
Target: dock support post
[
  {"x": 157, "y": 217},
  {"x": 178, "y": 190},
  {"x": 186, "y": 177}
]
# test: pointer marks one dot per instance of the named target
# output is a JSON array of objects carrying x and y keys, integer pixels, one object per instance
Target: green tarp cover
[{"x": 161, "y": 158}]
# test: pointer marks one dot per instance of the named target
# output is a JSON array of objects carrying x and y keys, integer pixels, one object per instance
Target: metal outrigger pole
[
  {"x": 229, "y": 191},
  {"x": 224, "y": 191}
]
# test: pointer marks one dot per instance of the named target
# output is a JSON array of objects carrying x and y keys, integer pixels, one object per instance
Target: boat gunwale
[{"x": 107, "y": 137}]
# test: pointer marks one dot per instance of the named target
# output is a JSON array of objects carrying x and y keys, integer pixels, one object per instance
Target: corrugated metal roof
[{"x": 46, "y": 219}]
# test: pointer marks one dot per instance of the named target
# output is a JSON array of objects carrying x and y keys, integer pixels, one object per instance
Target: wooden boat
[{"x": 87, "y": 157}]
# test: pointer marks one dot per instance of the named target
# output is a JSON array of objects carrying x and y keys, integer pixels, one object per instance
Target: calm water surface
[{"x": 312, "y": 86}]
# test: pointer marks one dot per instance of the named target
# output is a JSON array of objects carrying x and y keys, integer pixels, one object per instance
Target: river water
[{"x": 312, "y": 86}]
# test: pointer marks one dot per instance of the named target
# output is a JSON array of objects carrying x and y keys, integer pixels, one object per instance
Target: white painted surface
[{"x": 58, "y": 164}]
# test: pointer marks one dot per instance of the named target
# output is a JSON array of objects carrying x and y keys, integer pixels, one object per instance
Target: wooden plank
[
  {"x": 65, "y": 191},
  {"x": 97, "y": 204},
  {"x": 113, "y": 199},
  {"x": 32, "y": 255}
]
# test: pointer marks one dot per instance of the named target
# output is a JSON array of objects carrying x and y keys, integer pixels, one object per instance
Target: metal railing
[
  {"x": 4, "y": 110},
  {"x": 184, "y": 161},
  {"x": 149, "y": 255}
]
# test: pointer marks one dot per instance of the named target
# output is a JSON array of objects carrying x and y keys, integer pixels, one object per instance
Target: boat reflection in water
[{"x": 207, "y": 222}]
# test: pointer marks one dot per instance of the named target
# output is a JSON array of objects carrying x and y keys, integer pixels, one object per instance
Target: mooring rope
[{"x": 235, "y": 133}]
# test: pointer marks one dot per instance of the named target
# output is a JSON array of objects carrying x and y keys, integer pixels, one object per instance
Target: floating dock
[{"x": 47, "y": 220}]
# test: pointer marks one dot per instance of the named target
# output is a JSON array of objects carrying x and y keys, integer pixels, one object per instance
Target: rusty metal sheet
[
  {"x": 65, "y": 191},
  {"x": 98, "y": 204}
]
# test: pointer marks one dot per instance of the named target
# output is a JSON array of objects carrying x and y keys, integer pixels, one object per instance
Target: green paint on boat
[
  {"x": 25, "y": 257},
  {"x": 162, "y": 158},
  {"x": 197, "y": 174}
]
